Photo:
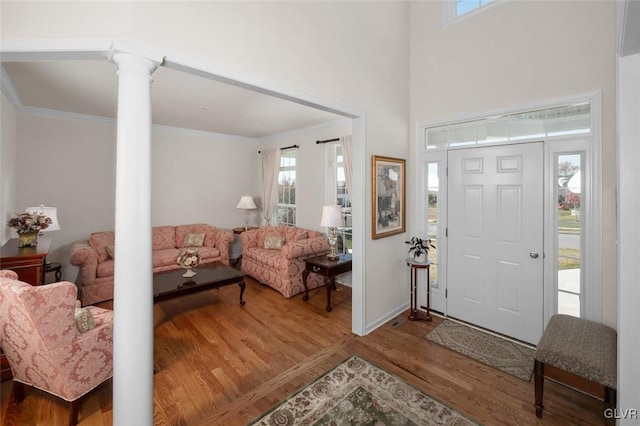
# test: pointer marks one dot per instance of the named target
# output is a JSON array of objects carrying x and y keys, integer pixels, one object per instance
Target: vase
[
  {"x": 421, "y": 258},
  {"x": 190, "y": 273},
  {"x": 28, "y": 239}
]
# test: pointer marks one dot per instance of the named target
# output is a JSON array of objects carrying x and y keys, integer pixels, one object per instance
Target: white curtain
[
  {"x": 347, "y": 152},
  {"x": 270, "y": 168}
]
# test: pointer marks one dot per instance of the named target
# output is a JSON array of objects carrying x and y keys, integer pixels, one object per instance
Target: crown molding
[
  {"x": 54, "y": 113},
  {"x": 9, "y": 90},
  {"x": 201, "y": 133},
  {"x": 333, "y": 123}
]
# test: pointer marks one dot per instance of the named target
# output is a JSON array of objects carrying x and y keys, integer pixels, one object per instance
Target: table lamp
[
  {"x": 50, "y": 212},
  {"x": 246, "y": 203},
  {"x": 332, "y": 218}
]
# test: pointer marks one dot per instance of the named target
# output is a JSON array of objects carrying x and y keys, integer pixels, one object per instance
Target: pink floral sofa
[
  {"x": 95, "y": 256},
  {"x": 274, "y": 255}
]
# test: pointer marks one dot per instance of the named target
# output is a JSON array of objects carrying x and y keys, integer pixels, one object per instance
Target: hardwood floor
[{"x": 222, "y": 364}]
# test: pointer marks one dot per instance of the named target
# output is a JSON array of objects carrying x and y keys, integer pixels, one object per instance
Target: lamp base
[{"x": 333, "y": 256}]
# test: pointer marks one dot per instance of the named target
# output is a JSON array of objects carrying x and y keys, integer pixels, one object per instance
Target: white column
[
  {"x": 133, "y": 291},
  {"x": 628, "y": 240}
]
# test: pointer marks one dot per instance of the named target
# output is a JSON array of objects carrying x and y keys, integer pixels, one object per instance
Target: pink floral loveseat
[
  {"x": 274, "y": 255},
  {"x": 95, "y": 256}
]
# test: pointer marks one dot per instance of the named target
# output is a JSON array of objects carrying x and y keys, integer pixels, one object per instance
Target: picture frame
[{"x": 388, "y": 196}]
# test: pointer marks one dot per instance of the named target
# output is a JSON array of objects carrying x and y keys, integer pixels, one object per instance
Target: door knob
[{"x": 534, "y": 254}]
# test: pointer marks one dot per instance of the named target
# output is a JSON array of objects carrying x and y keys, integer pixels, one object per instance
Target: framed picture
[{"x": 388, "y": 198}]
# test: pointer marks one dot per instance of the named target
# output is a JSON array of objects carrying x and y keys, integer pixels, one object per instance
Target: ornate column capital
[{"x": 133, "y": 58}]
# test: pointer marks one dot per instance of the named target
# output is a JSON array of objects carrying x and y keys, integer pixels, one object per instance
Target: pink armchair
[{"x": 43, "y": 345}]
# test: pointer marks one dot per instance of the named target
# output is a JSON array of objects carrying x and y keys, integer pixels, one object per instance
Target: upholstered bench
[{"x": 580, "y": 354}]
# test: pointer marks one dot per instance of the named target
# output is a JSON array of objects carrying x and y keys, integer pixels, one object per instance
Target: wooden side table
[
  {"x": 415, "y": 314},
  {"x": 54, "y": 267},
  {"x": 328, "y": 269},
  {"x": 239, "y": 231},
  {"x": 27, "y": 262}
]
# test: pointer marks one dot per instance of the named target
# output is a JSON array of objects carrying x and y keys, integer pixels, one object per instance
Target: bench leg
[
  {"x": 609, "y": 405},
  {"x": 538, "y": 369}
]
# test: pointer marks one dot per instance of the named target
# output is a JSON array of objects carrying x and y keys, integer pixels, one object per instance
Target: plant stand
[{"x": 414, "y": 313}]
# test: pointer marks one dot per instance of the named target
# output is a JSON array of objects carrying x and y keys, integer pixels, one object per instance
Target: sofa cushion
[
  {"x": 208, "y": 252},
  {"x": 99, "y": 241},
  {"x": 165, "y": 257},
  {"x": 105, "y": 269},
  {"x": 269, "y": 258},
  {"x": 164, "y": 237},
  {"x": 111, "y": 251},
  {"x": 196, "y": 228}
]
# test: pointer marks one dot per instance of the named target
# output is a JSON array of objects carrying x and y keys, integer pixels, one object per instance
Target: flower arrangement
[
  {"x": 189, "y": 258},
  {"x": 29, "y": 222}
]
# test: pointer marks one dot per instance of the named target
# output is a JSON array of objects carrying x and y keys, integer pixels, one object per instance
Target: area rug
[
  {"x": 358, "y": 392},
  {"x": 503, "y": 354}
]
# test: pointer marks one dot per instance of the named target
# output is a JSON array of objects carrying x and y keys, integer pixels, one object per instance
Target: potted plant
[{"x": 419, "y": 248}]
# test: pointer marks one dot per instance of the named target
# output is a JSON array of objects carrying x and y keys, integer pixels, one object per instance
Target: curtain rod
[
  {"x": 329, "y": 140},
  {"x": 285, "y": 147}
]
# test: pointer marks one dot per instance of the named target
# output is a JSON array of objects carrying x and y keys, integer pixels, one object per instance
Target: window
[
  {"x": 286, "y": 205},
  {"x": 453, "y": 9},
  {"x": 432, "y": 215},
  {"x": 342, "y": 196},
  {"x": 569, "y": 184},
  {"x": 547, "y": 123},
  {"x": 338, "y": 185}
]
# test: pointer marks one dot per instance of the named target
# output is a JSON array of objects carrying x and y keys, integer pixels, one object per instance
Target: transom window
[
  {"x": 286, "y": 205},
  {"x": 453, "y": 9}
]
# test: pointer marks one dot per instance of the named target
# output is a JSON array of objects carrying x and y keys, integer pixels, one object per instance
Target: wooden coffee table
[{"x": 171, "y": 284}]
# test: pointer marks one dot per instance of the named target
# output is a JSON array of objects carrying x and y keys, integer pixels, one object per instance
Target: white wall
[
  {"x": 515, "y": 54},
  {"x": 350, "y": 53},
  {"x": 195, "y": 177},
  {"x": 7, "y": 167},
  {"x": 311, "y": 171}
]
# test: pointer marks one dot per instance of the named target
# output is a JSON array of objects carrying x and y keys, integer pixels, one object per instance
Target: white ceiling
[{"x": 179, "y": 99}]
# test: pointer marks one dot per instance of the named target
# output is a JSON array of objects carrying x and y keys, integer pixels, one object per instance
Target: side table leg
[
  {"x": 305, "y": 275},
  {"x": 242, "y": 287},
  {"x": 330, "y": 283}
]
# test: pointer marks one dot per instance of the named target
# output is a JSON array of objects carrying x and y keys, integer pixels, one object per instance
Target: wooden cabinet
[{"x": 29, "y": 264}]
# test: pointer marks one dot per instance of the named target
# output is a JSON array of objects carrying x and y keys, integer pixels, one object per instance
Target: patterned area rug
[
  {"x": 358, "y": 392},
  {"x": 507, "y": 356}
]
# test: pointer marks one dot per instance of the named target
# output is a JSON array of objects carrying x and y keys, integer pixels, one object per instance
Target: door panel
[{"x": 495, "y": 210}]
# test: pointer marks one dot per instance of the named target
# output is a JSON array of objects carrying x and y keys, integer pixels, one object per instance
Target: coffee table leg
[{"x": 242, "y": 287}]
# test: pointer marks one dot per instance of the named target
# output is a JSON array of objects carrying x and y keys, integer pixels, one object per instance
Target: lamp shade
[
  {"x": 331, "y": 216},
  {"x": 246, "y": 202},
  {"x": 50, "y": 212}
]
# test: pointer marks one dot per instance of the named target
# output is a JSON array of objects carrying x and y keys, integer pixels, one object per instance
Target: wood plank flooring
[{"x": 222, "y": 364}]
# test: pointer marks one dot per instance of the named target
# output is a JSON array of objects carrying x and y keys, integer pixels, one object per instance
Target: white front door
[{"x": 495, "y": 238}]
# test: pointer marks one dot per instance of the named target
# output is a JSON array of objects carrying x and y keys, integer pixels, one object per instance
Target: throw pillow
[
  {"x": 273, "y": 242},
  {"x": 194, "y": 240},
  {"x": 84, "y": 320},
  {"x": 111, "y": 251}
]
